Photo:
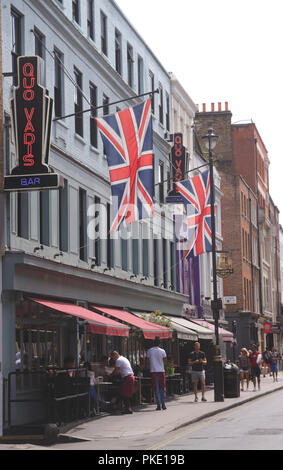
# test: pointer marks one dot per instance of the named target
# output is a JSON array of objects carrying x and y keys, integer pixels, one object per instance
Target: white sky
[{"x": 223, "y": 50}]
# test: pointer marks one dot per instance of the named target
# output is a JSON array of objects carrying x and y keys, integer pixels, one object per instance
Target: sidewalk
[{"x": 181, "y": 411}]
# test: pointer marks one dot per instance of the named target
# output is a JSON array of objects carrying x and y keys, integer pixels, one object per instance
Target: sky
[{"x": 223, "y": 50}]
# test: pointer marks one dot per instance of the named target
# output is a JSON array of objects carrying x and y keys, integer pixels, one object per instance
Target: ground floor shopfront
[
  {"x": 42, "y": 334},
  {"x": 251, "y": 329}
]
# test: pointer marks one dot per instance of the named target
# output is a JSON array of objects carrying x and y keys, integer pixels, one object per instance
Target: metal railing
[{"x": 62, "y": 396}]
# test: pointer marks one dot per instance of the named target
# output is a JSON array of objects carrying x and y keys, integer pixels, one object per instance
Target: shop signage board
[
  {"x": 224, "y": 266},
  {"x": 275, "y": 328},
  {"x": 178, "y": 160},
  {"x": 230, "y": 300},
  {"x": 31, "y": 110},
  {"x": 267, "y": 328}
]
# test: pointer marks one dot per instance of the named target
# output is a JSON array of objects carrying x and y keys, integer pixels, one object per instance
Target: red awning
[
  {"x": 98, "y": 324},
  {"x": 150, "y": 330}
]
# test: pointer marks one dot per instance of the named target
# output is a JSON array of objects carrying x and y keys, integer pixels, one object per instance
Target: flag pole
[{"x": 95, "y": 108}]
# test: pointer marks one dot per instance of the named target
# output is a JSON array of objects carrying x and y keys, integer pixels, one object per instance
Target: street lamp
[{"x": 210, "y": 141}]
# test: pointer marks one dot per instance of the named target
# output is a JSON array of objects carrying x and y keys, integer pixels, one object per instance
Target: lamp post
[{"x": 210, "y": 141}]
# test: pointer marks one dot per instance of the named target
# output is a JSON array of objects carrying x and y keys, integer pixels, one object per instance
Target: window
[
  {"x": 90, "y": 20},
  {"x": 110, "y": 241},
  {"x": 23, "y": 215},
  {"x": 161, "y": 182},
  {"x": 16, "y": 51},
  {"x": 140, "y": 76},
  {"x": 135, "y": 248},
  {"x": 39, "y": 49},
  {"x": 160, "y": 104},
  {"x": 118, "y": 51},
  {"x": 130, "y": 64},
  {"x": 44, "y": 224},
  {"x": 168, "y": 113},
  {"x": 58, "y": 83},
  {"x": 83, "y": 225},
  {"x": 151, "y": 84},
  {"x": 93, "y": 113},
  {"x": 97, "y": 243},
  {"x": 63, "y": 217},
  {"x": 165, "y": 263},
  {"x": 78, "y": 103},
  {"x": 172, "y": 265},
  {"x": 145, "y": 247},
  {"x": 103, "y": 19},
  {"x": 76, "y": 10},
  {"x": 105, "y": 102},
  {"x": 124, "y": 253},
  {"x": 155, "y": 261}
]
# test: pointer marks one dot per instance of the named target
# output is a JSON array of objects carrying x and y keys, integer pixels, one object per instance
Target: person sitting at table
[{"x": 123, "y": 367}]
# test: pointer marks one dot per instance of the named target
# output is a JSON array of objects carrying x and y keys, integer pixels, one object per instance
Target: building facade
[
  {"x": 57, "y": 243},
  {"x": 242, "y": 161}
]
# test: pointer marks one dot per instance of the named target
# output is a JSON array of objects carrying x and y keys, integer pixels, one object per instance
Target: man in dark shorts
[
  {"x": 255, "y": 369},
  {"x": 197, "y": 361}
]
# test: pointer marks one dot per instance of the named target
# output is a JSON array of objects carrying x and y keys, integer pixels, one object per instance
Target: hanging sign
[
  {"x": 267, "y": 328},
  {"x": 178, "y": 161},
  {"x": 224, "y": 266},
  {"x": 31, "y": 109}
]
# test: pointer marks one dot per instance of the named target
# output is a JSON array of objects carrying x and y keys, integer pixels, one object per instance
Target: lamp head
[{"x": 210, "y": 139}]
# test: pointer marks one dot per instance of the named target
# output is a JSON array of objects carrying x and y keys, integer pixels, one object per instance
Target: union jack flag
[
  {"x": 127, "y": 138},
  {"x": 196, "y": 196}
]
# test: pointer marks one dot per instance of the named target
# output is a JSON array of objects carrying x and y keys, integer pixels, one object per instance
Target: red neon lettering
[
  {"x": 29, "y": 140},
  {"x": 31, "y": 70},
  {"x": 29, "y": 116},
  {"x": 28, "y": 95},
  {"x": 31, "y": 85}
]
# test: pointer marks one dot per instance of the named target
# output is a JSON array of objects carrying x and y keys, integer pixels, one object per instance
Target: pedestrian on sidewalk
[
  {"x": 157, "y": 358},
  {"x": 244, "y": 365},
  {"x": 123, "y": 367},
  {"x": 255, "y": 361},
  {"x": 197, "y": 361},
  {"x": 266, "y": 356},
  {"x": 275, "y": 357}
]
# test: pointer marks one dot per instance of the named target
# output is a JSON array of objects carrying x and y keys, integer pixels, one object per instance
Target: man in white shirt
[
  {"x": 123, "y": 367},
  {"x": 157, "y": 358}
]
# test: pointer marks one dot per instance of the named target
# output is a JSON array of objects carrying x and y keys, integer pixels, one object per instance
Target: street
[
  {"x": 250, "y": 422},
  {"x": 257, "y": 425}
]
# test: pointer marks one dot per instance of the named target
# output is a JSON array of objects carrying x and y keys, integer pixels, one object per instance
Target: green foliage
[{"x": 157, "y": 318}]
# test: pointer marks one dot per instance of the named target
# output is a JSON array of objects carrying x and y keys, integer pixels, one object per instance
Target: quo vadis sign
[
  {"x": 178, "y": 160},
  {"x": 31, "y": 109}
]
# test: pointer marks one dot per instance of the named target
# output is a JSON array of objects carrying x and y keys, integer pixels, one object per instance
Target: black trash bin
[{"x": 231, "y": 380}]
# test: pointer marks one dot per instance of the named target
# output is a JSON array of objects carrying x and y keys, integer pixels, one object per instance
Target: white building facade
[{"x": 92, "y": 56}]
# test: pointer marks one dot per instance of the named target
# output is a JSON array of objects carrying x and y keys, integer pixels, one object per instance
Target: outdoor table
[
  {"x": 146, "y": 386},
  {"x": 111, "y": 387}
]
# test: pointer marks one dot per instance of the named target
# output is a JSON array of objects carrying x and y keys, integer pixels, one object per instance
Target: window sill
[
  {"x": 80, "y": 138},
  {"x": 94, "y": 149},
  {"x": 62, "y": 123}
]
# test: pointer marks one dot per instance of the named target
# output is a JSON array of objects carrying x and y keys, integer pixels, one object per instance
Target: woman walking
[{"x": 244, "y": 368}]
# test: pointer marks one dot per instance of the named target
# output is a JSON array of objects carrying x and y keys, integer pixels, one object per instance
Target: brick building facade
[{"x": 242, "y": 162}]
